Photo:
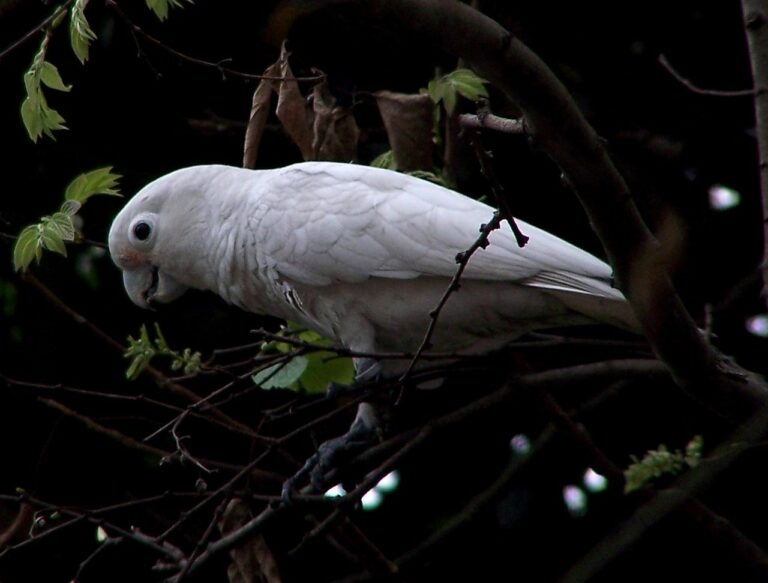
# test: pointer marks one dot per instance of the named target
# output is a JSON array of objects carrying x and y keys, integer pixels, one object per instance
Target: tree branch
[
  {"x": 667, "y": 500},
  {"x": 492, "y": 122},
  {"x": 135, "y": 28},
  {"x": 609, "y": 370},
  {"x": 560, "y": 129},
  {"x": 755, "y": 22},
  {"x": 664, "y": 62},
  {"x": 55, "y": 14},
  {"x": 159, "y": 378}
]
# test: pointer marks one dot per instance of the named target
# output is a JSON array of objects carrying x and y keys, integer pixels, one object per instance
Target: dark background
[{"x": 146, "y": 112}]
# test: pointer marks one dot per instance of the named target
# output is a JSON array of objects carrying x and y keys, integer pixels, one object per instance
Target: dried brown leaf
[
  {"x": 335, "y": 130},
  {"x": 253, "y": 561},
  {"x": 262, "y": 100},
  {"x": 293, "y": 111},
  {"x": 408, "y": 121}
]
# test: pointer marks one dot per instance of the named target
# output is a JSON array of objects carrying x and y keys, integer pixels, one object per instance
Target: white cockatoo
[{"x": 361, "y": 255}]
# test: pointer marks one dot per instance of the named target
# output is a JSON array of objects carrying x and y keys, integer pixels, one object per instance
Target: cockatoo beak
[{"x": 147, "y": 286}]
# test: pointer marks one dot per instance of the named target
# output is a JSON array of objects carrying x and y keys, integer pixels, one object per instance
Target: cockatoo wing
[{"x": 328, "y": 222}]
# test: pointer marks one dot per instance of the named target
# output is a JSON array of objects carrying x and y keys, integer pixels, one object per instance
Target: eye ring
[{"x": 142, "y": 230}]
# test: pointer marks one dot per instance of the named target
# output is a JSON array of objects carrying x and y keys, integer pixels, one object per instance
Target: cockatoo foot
[{"x": 334, "y": 453}]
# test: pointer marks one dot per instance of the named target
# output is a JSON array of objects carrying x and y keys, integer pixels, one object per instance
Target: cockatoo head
[{"x": 156, "y": 238}]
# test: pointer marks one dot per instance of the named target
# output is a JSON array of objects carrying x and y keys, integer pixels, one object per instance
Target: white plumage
[{"x": 359, "y": 254}]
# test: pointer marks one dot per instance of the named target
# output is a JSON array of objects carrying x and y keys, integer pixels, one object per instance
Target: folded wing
[{"x": 329, "y": 222}]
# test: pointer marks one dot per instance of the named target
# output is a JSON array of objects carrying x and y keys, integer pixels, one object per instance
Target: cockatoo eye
[{"x": 142, "y": 230}]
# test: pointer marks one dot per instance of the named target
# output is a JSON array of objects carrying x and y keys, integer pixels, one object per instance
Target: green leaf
[
  {"x": 282, "y": 375},
  {"x": 58, "y": 17},
  {"x": 52, "y": 232},
  {"x": 310, "y": 336},
  {"x": 324, "y": 368},
  {"x": 70, "y": 207},
  {"x": 462, "y": 82},
  {"x": 50, "y": 77},
  {"x": 140, "y": 351},
  {"x": 53, "y": 242},
  {"x": 27, "y": 248},
  {"x": 32, "y": 82},
  {"x": 467, "y": 84},
  {"x": 55, "y": 230},
  {"x": 99, "y": 181},
  {"x": 693, "y": 451},
  {"x": 61, "y": 225},
  {"x": 160, "y": 7},
  {"x": 436, "y": 90},
  {"x": 449, "y": 100},
  {"x": 429, "y": 176},
  {"x": 51, "y": 120},
  {"x": 30, "y": 115},
  {"x": 39, "y": 119},
  {"x": 160, "y": 342},
  {"x": 385, "y": 160},
  {"x": 660, "y": 462},
  {"x": 80, "y": 32},
  {"x": 190, "y": 362}
]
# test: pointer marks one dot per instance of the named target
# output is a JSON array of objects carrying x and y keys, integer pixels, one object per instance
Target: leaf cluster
[
  {"x": 55, "y": 230},
  {"x": 162, "y": 7},
  {"x": 142, "y": 350},
  {"x": 311, "y": 372},
  {"x": 660, "y": 462},
  {"x": 461, "y": 82},
  {"x": 38, "y": 117}
]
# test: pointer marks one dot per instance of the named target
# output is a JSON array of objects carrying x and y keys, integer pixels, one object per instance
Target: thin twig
[
  {"x": 56, "y": 13},
  {"x": 462, "y": 259},
  {"x": 122, "y": 438},
  {"x": 662, "y": 501},
  {"x": 200, "y": 62},
  {"x": 612, "y": 370},
  {"x": 204, "y": 403},
  {"x": 140, "y": 399},
  {"x": 159, "y": 378},
  {"x": 343, "y": 351},
  {"x": 483, "y": 157},
  {"x": 755, "y": 14},
  {"x": 698, "y": 90},
  {"x": 492, "y": 122},
  {"x": 479, "y": 502}
]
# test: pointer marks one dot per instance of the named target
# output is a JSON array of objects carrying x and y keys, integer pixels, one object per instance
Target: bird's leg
[
  {"x": 364, "y": 432},
  {"x": 337, "y": 451}
]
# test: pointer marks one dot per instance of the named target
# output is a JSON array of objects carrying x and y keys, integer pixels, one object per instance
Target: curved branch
[
  {"x": 560, "y": 129},
  {"x": 664, "y": 62},
  {"x": 755, "y": 22},
  {"x": 414, "y": 439}
]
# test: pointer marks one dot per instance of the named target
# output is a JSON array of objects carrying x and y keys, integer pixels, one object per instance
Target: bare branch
[
  {"x": 39, "y": 28},
  {"x": 665, "y": 501},
  {"x": 492, "y": 122},
  {"x": 412, "y": 440},
  {"x": 462, "y": 259},
  {"x": 698, "y": 90},
  {"x": 755, "y": 14},
  {"x": 194, "y": 60},
  {"x": 484, "y": 158},
  {"x": 159, "y": 378},
  {"x": 122, "y": 438},
  {"x": 560, "y": 129}
]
